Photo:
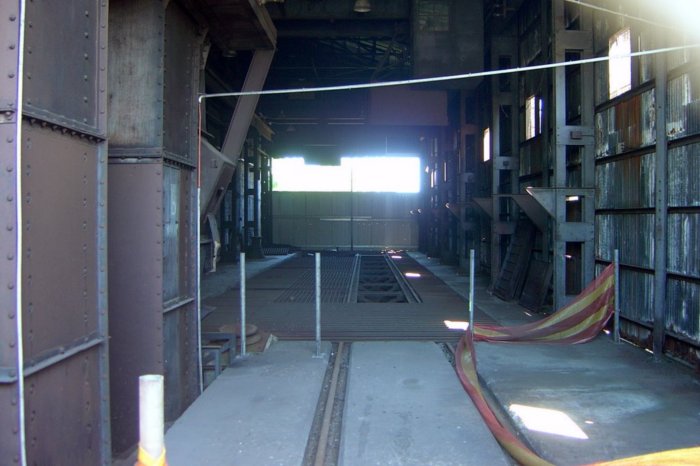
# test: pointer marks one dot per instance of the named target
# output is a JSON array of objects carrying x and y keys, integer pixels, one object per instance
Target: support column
[
  {"x": 503, "y": 158},
  {"x": 563, "y": 136},
  {"x": 661, "y": 207}
]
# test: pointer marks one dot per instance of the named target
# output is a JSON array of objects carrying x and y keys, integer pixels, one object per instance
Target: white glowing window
[
  {"x": 397, "y": 174},
  {"x": 487, "y": 144},
  {"x": 620, "y": 63},
  {"x": 534, "y": 109}
]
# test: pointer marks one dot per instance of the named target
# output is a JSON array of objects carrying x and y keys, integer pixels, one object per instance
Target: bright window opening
[
  {"x": 487, "y": 144},
  {"x": 620, "y": 66},
  {"x": 354, "y": 174},
  {"x": 534, "y": 109}
]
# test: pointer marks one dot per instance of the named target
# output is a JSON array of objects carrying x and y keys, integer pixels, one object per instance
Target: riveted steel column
[{"x": 12, "y": 434}]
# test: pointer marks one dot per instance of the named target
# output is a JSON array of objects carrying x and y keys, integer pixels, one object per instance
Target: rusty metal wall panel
[
  {"x": 180, "y": 342},
  {"x": 683, "y": 106},
  {"x": 632, "y": 234},
  {"x": 628, "y": 125},
  {"x": 626, "y": 184},
  {"x": 180, "y": 76},
  {"x": 179, "y": 321},
  {"x": 63, "y": 412},
  {"x": 135, "y": 284},
  {"x": 531, "y": 155},
  {"x": 683, "y": 316},
  {"x": 60, "y": 229},
  {"x": 135, "y": 69},
  {"x": 61, "y": 67},
  {"x": 683, "y": 180},
  {"x": 683, "y": 246},
  {"x": 171, "y": 233},
  {"x": 637, "y": 295},
  {"x": 9, "y": 406}
]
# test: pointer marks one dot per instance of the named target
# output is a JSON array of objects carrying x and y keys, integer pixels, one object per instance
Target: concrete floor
[{"x": 599, "y": 401}]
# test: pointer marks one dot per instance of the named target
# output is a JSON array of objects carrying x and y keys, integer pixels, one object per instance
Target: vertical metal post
[
  {"x": 198, "y": 242},
  {"x": 151, "y": 419},
  {"x": 318, "y": 304},
  {"x": 243, "y": 336},
  {"x": 471, "y": 290},
  {"x": 352, "y": 209},
  {"x": 616, "y": 321},
  {"x": 661, "y": 205}
]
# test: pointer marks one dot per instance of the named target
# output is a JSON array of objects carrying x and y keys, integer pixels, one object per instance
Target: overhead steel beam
[
  {"x": 343, "y": 29},
  {"x": 245, "y": 105}
]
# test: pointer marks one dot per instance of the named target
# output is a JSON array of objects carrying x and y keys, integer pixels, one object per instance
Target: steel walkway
[{"x": 403, "y": 301}]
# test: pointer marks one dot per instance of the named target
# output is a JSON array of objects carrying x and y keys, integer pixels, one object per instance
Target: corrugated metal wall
[
  {"x": 631, "y": 212},
  {"x": 63, "y": 274},
  {"x": 323, "y": 220}
]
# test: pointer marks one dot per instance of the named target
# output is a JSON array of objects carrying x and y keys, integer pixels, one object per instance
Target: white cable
[
  {"x": 619, "y": 13},
  {"x": 455, "y": 77},
  {"x": 18, "y": 206}
]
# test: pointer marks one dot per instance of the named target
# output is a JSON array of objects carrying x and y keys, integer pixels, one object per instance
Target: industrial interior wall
[
  {"x": 60, "y": 235},
  {"x": 152, "y": 208},
  {"x": 648, "y": 192},
  {"x": 345, "y": 220}
]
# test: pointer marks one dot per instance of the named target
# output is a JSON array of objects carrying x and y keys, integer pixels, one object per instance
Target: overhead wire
[{"x": 455, "y": 77}]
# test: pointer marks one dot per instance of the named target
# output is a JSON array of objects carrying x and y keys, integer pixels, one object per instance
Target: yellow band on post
[{"x": 145, "y": 459}]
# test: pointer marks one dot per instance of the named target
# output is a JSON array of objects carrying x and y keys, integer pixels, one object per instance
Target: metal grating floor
[
  {"x": 336, "y": 275},
  {"x": 341, "y": 320}
]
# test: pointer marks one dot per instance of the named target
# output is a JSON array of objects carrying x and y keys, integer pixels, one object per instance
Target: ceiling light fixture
[{"x": 362, "y": 6}]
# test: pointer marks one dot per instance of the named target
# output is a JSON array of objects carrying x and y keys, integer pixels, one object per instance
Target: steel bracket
[
  {"x": 8, "y": 375},
  {"x": 506, "y": 163},
  {"x": 8, "y": 115}
]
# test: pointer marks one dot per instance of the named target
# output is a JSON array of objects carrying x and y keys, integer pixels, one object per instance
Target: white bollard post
[
  {"x": 318, "y": 305},
  {"x": 471, "y": 290},
  {"x": 242, "y": 286},
  {"x": 151, "y": 424}
]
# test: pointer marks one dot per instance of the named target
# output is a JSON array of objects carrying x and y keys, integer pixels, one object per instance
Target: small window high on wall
[
  {"x": 620, "y": 66},
  {"x": 487, "y": 144},
  {"x": 533, "y": 116}
]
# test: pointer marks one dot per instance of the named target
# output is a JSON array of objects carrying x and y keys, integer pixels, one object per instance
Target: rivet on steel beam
[
  {"x": 10, "y": 257},
  {"x": 12, "y": 46},
  {"x": 10, "y": 227},
  {"x": 11, "y": 75},
  {"x": 13, "y": 17},
  {"x": 10, "y": 286},
  {"x": 10, "y": 168},
  {"x": 10, "y": 140}
]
